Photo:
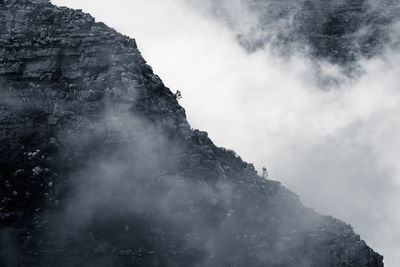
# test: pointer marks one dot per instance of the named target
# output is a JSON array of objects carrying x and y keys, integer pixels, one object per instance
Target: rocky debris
[{"x": 79, "y": 103}]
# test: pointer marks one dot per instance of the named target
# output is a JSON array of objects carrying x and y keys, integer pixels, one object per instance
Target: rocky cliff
[{"x": 99, "y": 166}]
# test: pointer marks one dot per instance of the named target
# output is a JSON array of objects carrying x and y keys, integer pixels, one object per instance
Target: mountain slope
[{"x": 99, "y": 166}]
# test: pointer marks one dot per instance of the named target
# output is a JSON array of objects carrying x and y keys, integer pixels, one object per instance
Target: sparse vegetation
[{"x": 178, "y": 95}]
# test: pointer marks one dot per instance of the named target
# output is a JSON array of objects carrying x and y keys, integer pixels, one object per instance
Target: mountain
[
  {"x": 99, "y": 166},
  {"x": 340, "y": 31}
]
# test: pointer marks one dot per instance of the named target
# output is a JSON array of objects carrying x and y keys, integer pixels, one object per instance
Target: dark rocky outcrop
[{"x": 99, "y": 166}]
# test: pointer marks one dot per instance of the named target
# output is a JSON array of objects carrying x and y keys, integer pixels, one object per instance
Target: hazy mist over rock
[
  {"x": 100, "y": 167},
  {"x": 340, "y": 31}
]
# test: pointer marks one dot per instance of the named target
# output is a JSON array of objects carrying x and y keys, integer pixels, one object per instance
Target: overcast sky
[{"x": 337, "y": 148}]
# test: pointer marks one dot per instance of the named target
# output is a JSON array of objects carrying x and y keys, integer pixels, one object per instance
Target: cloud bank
[{"x": 338, "y": 148}]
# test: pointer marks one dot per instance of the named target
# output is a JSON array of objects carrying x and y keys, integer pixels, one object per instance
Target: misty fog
[{"x": 335, "y": 144}]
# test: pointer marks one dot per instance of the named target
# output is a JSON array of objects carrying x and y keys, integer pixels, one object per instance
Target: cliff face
[{"x": 99, "y": 167}]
